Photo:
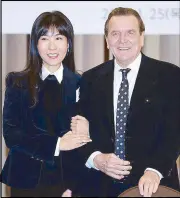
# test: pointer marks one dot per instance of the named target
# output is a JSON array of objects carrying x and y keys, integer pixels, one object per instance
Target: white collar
[
  {"x": 59, "y": 73},
  {"x": 134, "y": 66}
]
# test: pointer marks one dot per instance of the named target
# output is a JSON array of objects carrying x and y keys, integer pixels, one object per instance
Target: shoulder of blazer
[
  {"x": 99, "y": 70},
  {"x": 165, "y": 72},
  {"x": 17, "y": 79},
  {"x": 74, "y": 77},
  {"x": 161, "y": 66}
]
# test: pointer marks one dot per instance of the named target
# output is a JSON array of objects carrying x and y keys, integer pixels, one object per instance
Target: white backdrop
[{"x": 89, "y": 17}]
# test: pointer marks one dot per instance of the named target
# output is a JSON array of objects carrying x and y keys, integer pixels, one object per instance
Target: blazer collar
[
  {"x": 59, "y": 73},
  {"x": 108, "y": 79},
  {"x": 69, "y": 97}
]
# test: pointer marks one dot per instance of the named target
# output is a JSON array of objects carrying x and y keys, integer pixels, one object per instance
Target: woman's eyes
[
  {"x": 56, "y": 38},
  {"x": 44, "y": 38},
  {"x": 59, "y": 38}
]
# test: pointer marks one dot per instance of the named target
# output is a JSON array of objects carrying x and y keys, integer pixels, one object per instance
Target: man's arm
[{"x": 166, "y": 154}]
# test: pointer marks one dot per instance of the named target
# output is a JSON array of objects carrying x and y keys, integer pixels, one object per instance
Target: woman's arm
[{"x": 37, "y": 145}]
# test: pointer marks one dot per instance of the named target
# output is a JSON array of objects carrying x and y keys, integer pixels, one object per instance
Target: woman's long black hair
[{"x": 40, "y": 27}]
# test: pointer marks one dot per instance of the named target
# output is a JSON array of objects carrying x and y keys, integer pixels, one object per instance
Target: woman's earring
[{"x": 68, "y": 49}]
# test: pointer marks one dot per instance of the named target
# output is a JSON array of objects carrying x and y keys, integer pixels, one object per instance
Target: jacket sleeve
[
  {"x": 36, "y": 145},
  {"x": 84, "y": 109},
  {"x": 168, "y": 150}
]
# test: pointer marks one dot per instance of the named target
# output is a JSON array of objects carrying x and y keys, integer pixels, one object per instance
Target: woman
[{"x": 39, "y": 103}]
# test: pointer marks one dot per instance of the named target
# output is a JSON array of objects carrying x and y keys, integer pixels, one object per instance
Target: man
[{"x": 132, "y": 104}]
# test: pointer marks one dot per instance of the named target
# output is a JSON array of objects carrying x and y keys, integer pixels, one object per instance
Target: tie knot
[
  {"x": 125, "y": 72},
  {"x": 51, "y": 77}
]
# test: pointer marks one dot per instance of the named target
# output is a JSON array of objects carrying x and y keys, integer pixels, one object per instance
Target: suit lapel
[
  {"x": 143, "y": 88},
  {"x": 68, "y": 99},
  {"x": 108, "y": 81},
  {"x": 68, "y": 87},
  {"x": 142, "y": 94},
  {"x": 38, "y": 112}
]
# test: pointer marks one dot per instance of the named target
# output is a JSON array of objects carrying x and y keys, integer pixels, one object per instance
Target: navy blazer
[{"x": 25, "y": 131}]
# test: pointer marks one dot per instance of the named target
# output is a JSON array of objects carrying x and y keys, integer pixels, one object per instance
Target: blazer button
[
  {"x": 147, "y": 100},
  {"x": 112, "y": 140}
]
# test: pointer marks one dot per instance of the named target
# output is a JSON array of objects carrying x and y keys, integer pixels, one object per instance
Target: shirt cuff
[
  {"x": 151, "y": 169},
  {"x": 90, "y": 163},
  {"x": 57, "y": 151},
  {"x": 77, "y": 95}
]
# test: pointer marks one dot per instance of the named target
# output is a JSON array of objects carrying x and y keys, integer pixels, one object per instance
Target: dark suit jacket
[
  {"x": 26, "y": 135},
  {"x": 153, "y": 124}
]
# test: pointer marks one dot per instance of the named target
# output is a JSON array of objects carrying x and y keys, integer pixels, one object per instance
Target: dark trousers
[{"x": 40, "y": 191}]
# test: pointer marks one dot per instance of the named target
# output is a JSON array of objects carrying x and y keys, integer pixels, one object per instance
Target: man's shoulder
[
  {"x": 99, "y": 69},
  {"x": 163, "y": 65},
  {"x": 163, "y": 68}
]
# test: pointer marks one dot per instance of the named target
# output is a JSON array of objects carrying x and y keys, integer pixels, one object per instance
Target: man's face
[{"x": 124, "y": 39}]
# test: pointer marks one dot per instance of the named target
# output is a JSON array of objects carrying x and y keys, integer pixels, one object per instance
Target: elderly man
[{"x": 132, "y": 104}]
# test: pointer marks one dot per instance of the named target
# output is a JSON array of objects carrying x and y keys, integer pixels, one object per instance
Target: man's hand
[
  {"x": 80, "y": 125},
  {"x": 112, "y": 166},
  {"x": 67, "y": 193},
  {"x": 70, "y": 141},
  {"x": 149, "y": 183}
]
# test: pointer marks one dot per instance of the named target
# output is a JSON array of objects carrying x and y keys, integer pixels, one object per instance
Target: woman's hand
[
  {"x": 80, "y": 125},
  {"x": 70, "y": 141}
]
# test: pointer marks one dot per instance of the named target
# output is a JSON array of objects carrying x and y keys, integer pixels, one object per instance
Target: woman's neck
[{"x": 53, "y": 68}]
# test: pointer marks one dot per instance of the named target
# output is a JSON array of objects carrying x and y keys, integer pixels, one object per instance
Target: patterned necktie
[{"x": 121, "y": 115}]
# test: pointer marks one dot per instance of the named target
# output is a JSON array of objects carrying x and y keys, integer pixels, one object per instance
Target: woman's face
[{"x": 52, "y": 48}]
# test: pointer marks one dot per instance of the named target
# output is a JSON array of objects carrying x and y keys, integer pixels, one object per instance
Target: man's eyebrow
[
  {"x": 132, "y": 30},
  {"x": 115, "y": 31}
]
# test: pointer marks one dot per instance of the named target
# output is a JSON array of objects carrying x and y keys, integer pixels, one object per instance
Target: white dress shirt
[
  {"x": 59, "y": 76},
  {"x": 131, "y": 76}
]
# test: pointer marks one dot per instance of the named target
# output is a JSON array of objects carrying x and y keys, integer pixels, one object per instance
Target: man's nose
[{"x": 122, "y": 38}]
